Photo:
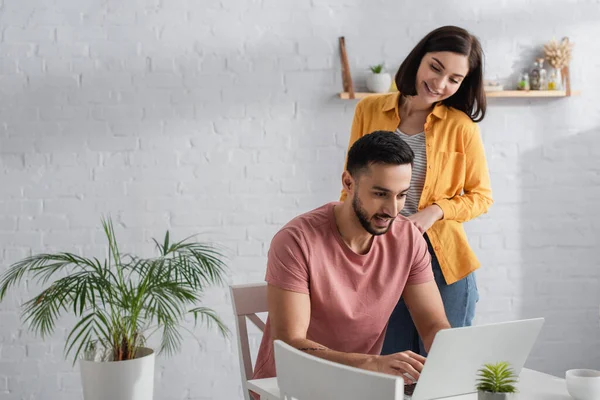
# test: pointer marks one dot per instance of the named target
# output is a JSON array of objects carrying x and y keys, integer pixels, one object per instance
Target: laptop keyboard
[{"x": 409, "y": 388}]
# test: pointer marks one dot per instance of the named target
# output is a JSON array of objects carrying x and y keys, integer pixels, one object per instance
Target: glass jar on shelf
[
  {"x": 523, "y": 83},
  {"x": 555, "y": 79},
  {"x": 535, "y": 77}
]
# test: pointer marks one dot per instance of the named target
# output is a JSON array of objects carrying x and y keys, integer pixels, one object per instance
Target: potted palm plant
[
  {"x": 496, "y": 382},
  {"x": 119, "y": 302}
]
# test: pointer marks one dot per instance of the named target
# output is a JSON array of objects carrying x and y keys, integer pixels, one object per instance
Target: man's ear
[{"x": 348, "y": 182}]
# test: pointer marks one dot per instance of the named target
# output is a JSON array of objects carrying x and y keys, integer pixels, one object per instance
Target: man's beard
[{"x": 363, "y": 218}]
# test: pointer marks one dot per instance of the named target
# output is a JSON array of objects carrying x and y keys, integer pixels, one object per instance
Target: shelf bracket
[{"x": 346, "y": 76}]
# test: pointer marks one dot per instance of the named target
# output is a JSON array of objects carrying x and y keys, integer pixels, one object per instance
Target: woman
[{"x": 440, "y": 99}]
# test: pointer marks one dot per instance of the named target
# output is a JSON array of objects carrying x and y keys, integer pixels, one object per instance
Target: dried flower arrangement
[{"x": 558, "y": 54}]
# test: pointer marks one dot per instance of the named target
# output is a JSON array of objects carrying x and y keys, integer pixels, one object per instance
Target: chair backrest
[
  {"x": 247, "y": 301},
  {"x": 305, "y": 377}
]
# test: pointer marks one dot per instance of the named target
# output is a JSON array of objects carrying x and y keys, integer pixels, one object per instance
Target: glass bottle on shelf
[
  {"x": 523, "y": 83},
  {"x": 535, "y": 76},
  {"x": 543, "y": 75}
]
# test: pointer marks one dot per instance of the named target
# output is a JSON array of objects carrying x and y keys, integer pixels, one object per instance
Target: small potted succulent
[
  {"x": 378, "y": 81},
  {"x": 496, "y": 382}
]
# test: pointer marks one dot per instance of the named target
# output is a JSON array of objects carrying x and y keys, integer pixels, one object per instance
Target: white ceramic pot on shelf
[
  {"x": 379, "y": 83},
  {"x": 119, "y": 380}
]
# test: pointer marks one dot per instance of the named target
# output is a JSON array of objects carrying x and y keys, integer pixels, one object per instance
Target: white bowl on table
[{"x": 583, "y": 384}]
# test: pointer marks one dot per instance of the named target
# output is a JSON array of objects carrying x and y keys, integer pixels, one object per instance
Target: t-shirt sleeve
[
  {"x": 420, "y": 271},
  {"x": 287, "y": 262}
]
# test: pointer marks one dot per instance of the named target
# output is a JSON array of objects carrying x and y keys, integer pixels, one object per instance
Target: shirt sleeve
[
  {"x": 420, "y": 271},
  {"x": 287, "y": 262}
]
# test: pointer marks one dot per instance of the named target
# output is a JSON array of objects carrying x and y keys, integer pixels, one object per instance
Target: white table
[{"x": 532, "y": 385}]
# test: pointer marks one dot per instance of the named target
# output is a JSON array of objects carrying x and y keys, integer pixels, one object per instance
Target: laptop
[{"x": 457, "y": 354}]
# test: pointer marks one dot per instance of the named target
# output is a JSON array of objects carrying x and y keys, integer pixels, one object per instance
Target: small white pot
[
  {"x": 119, "y": 380},
  {"x": 379, "y": 83},
  {"x": 496, "y": 396}
]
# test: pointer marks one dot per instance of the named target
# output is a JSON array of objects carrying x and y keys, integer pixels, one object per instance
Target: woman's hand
[{"x": 426, "y": 217}]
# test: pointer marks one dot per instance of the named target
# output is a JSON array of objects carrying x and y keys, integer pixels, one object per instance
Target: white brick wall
[{"x": 221, "y": 117}]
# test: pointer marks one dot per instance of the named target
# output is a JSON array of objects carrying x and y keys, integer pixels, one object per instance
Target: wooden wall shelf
[
  {"x": 349, "y": 93},
  {"x": 531, "y": 93},
  {"x": 499, "y": 93}
]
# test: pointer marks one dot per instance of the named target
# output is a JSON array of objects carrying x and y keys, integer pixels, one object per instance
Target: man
[{"x": 333, "y": 273}]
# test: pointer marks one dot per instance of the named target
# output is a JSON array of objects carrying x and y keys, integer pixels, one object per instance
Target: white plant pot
[
  {"x": 119, "y": 380},
  {"x": 379, "y": 83},
  {"x": 496, "y": 396}
]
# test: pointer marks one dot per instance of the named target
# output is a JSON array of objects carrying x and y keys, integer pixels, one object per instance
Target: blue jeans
[{"x": 459, "y": 301}]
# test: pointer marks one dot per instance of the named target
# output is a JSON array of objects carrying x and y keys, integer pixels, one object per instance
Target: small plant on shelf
[
  {"x": 496, "y": 382},
  {"x": 376, "y": 69},
  {"x": 378, "y": 81}
]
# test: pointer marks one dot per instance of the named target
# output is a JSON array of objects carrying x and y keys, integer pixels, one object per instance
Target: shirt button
[
  {"x": 425, "y": 187},
  {"x": 436, "y": 248}
]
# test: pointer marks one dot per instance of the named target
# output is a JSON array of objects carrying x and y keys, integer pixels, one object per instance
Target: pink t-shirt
[{"x": 352, "y": 296}]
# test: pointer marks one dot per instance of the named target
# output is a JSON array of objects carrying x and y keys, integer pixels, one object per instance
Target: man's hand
[
  {"x": 425, "y": 218},
  {"x": 399, "y": 364}
]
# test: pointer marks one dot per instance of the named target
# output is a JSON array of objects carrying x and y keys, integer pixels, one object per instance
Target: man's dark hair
[
  {"x": 470, "y": 97},
  {"x": 379, "y": 147}
]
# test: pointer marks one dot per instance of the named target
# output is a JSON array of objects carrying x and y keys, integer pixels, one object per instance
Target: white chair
[
  {"x": 247, "y": 301},
  {"x": 302, "y": 376}
]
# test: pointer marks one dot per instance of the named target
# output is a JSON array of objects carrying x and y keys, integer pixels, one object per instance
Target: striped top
[{"x": 417, "y": 144}]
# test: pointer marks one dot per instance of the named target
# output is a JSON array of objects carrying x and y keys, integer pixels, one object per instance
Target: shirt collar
[
  {"x": 391, "y": 102},
  {"x": 440, "y": 111}
]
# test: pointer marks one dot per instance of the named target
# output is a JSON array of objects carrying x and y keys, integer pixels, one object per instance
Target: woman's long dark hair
[{"x": 470, "y": 97}]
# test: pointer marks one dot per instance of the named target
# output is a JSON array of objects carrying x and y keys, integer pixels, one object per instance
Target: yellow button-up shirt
[{"x": 457, "y": 177}]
